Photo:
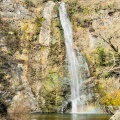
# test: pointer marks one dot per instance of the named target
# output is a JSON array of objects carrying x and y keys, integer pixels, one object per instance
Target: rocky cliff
[{"x": 33, "y": 66}]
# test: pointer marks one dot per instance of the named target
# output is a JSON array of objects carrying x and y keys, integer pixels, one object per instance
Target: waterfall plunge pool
[{"x": 38, "y": 116}]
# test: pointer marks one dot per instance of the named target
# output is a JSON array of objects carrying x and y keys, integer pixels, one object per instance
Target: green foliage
[
  {"x": 101, "y": 55},
  {"x": 13, "y": 41},
  {"x": 98, "y": 7},
  {"x": 82, "y": 22},
  {"x": 39, "y": 20},
  {"x": 29, "y": 3},
  {"x": 117, "y": 58},
  {"x": 106, "y": 58},
  {"x": 1, "y": 75},
  {"x": 85, "y": 9},
  {"x": 52, "y": 92},
  {"x": 85, "y": 23},
  {"x": 107, "y": 74},
  {"x": 72, "y": 9},
  {"x": 60, "y": 27},
  {"x": 38, "y": 23},
  {"x": 56, "y": 10},
  {"x": 53, "y": 101},
  {"x": 101, "y": 90}
]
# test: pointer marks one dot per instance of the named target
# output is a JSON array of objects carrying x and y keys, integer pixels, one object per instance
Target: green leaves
[
  {"x": 101, "y": 55},
  {"x": 38, "y": 23},
  {"x": 39, "y": 20}
]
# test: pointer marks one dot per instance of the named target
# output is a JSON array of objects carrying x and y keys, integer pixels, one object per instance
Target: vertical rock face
[
  {"x": 24, "y": 96},
  {"x": 45, "y": 30},
  {"x": 45, "y": 33},
  {"x": 12, "y": 12},
  {"x": 16, "y": 86},
  {"x": 46, "y": 65}
]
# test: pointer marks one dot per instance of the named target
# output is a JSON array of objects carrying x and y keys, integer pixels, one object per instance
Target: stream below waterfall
[{"x": 38, "y": 116}]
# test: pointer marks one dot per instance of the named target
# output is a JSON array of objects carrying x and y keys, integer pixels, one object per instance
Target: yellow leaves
[
  {"x": 110, "y": 95},
  {"x": 48, "y": 85},
  {"x": 118, "y": 93},
  {"x": 28, "y": 27},
  {"x": 10, "y": 32},
  {"x": 111, "y": 98},
  {"x": 25, "y": 27}
]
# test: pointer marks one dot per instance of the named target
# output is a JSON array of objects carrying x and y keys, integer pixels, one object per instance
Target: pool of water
[{"x": 37, "y": 116}]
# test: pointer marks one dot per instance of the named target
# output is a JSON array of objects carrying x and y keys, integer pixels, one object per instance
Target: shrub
[
  {"x": 29, "y": 3},
  {"x": 20, "y": 112},
  {"x": 39, "y": 20},
  {"x": 38, "y": 23},
  {"x": 101, "y": 55},
  {"x": 85, "y": 9}
]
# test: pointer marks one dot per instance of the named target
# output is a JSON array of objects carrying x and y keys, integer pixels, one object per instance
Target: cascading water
[{"x": 76, "y": 63}]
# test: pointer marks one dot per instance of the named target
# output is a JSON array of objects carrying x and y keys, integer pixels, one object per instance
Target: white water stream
[{"x": 75, "y": 64}]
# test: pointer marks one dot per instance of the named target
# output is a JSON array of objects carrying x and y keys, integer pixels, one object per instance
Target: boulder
[{"x": 116, "y": 116}]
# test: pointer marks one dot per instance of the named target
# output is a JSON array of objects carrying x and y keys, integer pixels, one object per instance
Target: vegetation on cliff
[{"x": 96, "y": 34}]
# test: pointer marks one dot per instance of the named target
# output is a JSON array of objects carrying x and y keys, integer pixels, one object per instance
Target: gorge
[{"x": 59, "y": 57}]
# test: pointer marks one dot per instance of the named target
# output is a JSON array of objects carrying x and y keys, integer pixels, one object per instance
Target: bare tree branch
[{"x": 109, "y": 42}]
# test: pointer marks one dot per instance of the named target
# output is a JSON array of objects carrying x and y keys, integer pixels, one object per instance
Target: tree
[{"x": 110, "y": 35}]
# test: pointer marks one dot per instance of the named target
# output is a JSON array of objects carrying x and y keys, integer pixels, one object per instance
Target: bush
[
  {"x": 85, "y": 9},
  {"x": 21, "y": 112},
  {"x": 38, "y": 23},
  {"x": 101, "y": 55},
  {"x": 28, "y": 3}
]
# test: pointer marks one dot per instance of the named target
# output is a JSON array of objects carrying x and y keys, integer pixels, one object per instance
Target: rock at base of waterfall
[{"x": 116, "y": 116}]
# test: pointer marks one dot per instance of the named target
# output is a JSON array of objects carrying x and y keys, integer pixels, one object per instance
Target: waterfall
[{"x": 76, "y": 63}]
